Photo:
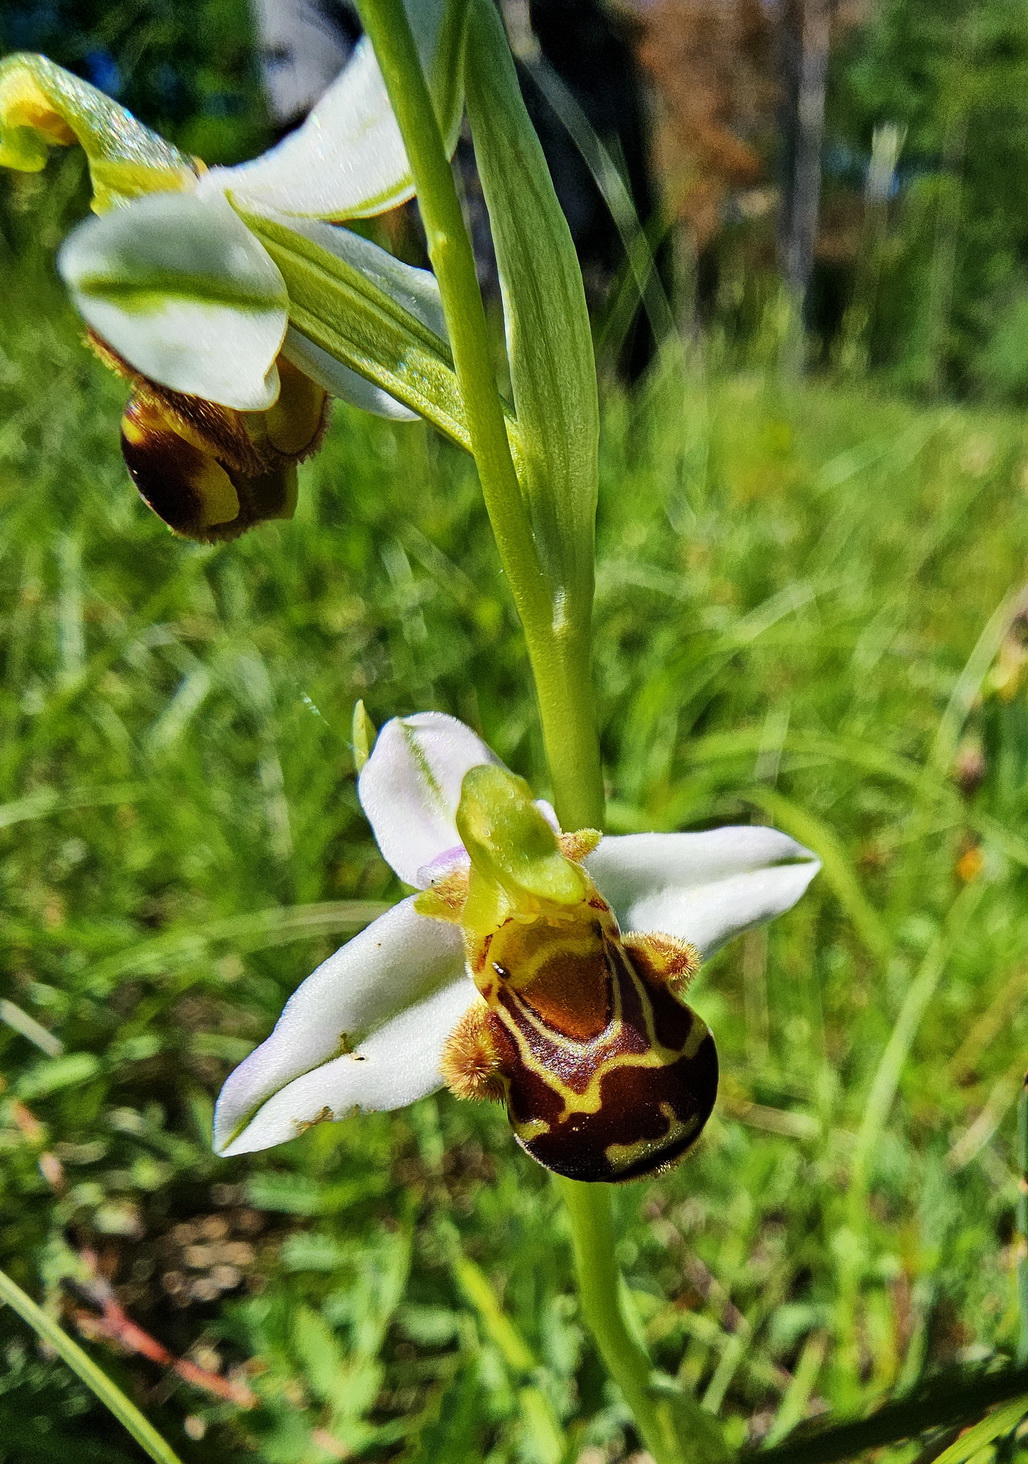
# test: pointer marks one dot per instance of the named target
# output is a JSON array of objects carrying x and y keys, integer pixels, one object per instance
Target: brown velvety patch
[
  {"x": 571, "y": 994},
  {"x": 653, "y": 1115},
  {"x": 192, "y": 490}
]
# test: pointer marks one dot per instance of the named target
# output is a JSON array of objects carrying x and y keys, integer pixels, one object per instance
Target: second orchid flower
[{"x": 183, "y": 299}]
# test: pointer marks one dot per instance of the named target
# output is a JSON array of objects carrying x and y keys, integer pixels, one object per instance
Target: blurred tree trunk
[{"x": 804, "y": 30}]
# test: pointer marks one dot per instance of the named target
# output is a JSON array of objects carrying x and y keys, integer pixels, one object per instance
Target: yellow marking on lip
[
  {"x": 554, "y": 947},
  {"x": 621, "y": 1156},
  {"x": 694, "y": 1042},
  {"x": 590, "y": 1101},
  {"x": 531, "y": 1129}
]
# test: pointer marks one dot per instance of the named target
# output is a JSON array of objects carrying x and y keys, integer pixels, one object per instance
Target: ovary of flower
[
  {"x": 184, "y": 300},
  {"x": 518, "y": 970}
]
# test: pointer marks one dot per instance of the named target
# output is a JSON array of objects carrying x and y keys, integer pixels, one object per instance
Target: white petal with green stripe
[
  {"x": 410, "y": 788},
  {"x": 180, "y": 288},
  {"x": 346, "y": 161},
  {"x": 364, "y": 1032}
]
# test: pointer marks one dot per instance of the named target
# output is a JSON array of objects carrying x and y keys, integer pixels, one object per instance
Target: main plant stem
[
  {"x": 558, "y": 651},
  {"x": 560, "y": 657}
]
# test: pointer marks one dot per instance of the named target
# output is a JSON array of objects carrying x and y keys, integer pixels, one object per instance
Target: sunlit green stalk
[
  {"x": 94, "y": 1377},
  {"x": 673, "y": 1426},
  {"x": 957, "y": 1400},
  {"x": 559, "y": 653},
  {"x": 453, "y": 262},
  {"x": 560, "y": 659}
]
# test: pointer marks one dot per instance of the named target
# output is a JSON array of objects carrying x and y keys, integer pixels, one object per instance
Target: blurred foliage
[
  {"x": 954, "y": 75},
  {"x": 927, "y": 285},
  {"x": 810, "y": 611}
]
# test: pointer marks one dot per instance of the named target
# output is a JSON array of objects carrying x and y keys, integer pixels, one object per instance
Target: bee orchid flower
[
  {"x": 540, "y": 968},
  {"x": 183, "y": 300}
]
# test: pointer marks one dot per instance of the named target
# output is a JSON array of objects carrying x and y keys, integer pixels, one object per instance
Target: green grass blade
[
  {"x": 887, "y": 1076},
  {"x": 969, "y": 682},
  {"x": 258, "y": 930},
  {"x": 838, "y": 870},
  {"x": 957, "y": 1399},
  {"x": 94, "y": 1377},
  {"x": 797, "y": 1397},
  {"x": 983, "y": 1433}
]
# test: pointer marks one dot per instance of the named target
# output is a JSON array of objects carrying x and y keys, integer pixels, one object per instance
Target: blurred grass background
[{"x": 811, "y": 611}]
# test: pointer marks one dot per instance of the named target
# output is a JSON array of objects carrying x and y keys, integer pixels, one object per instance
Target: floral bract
[{"x": 528, "y": 955}]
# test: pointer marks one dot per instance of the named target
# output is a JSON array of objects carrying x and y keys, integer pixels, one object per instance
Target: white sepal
[
  {"x": 347, "y": 160},
  {"x": 704, "y": 888},
  {"x": 340, "y": 381},
  {"x": 401, "y": 960},
  {"x": 181, "y": 289},
  {"x": 396, "y": 1065},
  {"x": 410, "y": 788}
]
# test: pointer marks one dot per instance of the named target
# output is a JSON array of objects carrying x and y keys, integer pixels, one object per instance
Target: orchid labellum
[{"x": 541, "y": 968}]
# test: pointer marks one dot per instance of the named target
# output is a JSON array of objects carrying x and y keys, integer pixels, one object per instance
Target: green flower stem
[
  {"x": 560, "y": 656},
  {"x": 562, "y": 668},
  {"x": 559, "y": 650},
  {"x": 449, "y": 249},
  {"x": 673, "y": 1426}
]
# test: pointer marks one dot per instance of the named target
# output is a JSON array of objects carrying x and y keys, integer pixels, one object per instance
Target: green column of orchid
[{"x": 544, "y": 531}]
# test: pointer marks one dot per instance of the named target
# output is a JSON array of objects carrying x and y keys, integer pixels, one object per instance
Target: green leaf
[
  {"x": 553, "y": 374},
  {"x": 56, "y": 1073},
  {"x": 363, "y": 736},
  {"x": 94, "y": 1377},
  {"x": 979, "y": 1437},
  {"x": 438, "y": 29},
  {"x": 342, "y": 309},
  {"x": 42, "y": 105}
]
